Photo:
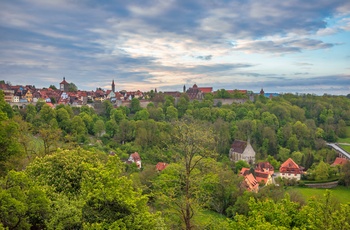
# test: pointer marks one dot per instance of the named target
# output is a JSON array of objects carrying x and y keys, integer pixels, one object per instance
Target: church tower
[
  {"x": 113, "y": 86},
  {"x": 64, "y": 85}
]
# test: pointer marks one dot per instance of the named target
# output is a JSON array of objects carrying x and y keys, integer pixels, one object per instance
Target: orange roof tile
[
  {"x": 339, "y": 161},
  {"x": 290, "y": 166},
  {"x": 161, "y": 166}
]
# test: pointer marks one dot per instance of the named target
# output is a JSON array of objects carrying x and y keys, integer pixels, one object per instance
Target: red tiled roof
[
  {"x": 289, "y": 166},
  {"x": 243, "y": 91},
  {"x": 136, "y": 156},
  {"x": 339, "y": 161},
  {"x": 161, "y": 166},
  {"x": 261, "y": 176},
  {"x": 50, "y": 104},
  {"x": 252, "y": 183},
  {"x": 244, "y": 171},
  {"x": 206, "y": 89},
  {"x": 264, "y": 167},
  {"x": 64, "y": 82}
]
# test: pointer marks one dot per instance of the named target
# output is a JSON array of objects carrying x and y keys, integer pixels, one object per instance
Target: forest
[{"x": 64, "y": 167}]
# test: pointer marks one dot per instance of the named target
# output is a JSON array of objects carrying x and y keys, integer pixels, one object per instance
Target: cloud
[
  {"x": 205, "y": 58},
  {"x": 161, "y": 43},
  {"x": 281, "y": 45}
]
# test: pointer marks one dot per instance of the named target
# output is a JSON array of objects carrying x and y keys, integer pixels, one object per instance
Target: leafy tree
[
  {"x": 156, "y": 113},
  {"x": 5, "y": 108},
  {"x": 23, "y": 204},
  {"x": 222, "y": 136},
  {"x": 171, "y": 113},
  {"x": 141, "y": 115},
  {"x": 47, "y": 114},
  {"x": 111, "y": 128},
  {"x": 126, "y": 131},
  {"x": 9, "y": 145},
  {"x": 50, "y": 135},
  {"x": 63, "y": 119},
  {"x": 118, "y": 115},
  {"x": 72, "y": 87},
  {"x": 192, "y": 142},
  {"x": 241, "y": 164},
  {"x": 30, "y": 113},
  {"x": 135, "y": 105},
  {"x": 345, "y": 174},
  {"x": 107, "y": 108},
  {"x": 322, "y": 171},
  {"x": 53, "y": 87},
  {"x": 99, "y": 127}
]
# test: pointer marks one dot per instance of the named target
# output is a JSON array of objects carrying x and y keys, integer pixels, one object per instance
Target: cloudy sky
[{"x": 282, "y": 46}]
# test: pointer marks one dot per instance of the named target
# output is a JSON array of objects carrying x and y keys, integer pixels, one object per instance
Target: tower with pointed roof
[
  {"x": 64, "y": 85},
  {"x": 113, "y": 86},
  {"x": 262, "y": 92}
]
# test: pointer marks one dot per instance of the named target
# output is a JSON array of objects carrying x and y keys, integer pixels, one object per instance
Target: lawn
[
  {"x": 347, "y": 139},
  {"x": 346, "y": 147},
  {"x": 341, "y": 193}
]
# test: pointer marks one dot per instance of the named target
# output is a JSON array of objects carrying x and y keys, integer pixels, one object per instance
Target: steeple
[
  {"x": 184, "y": 89},
  {"x": 113, "y": 86},
  {"x": 262, "y": 91}
]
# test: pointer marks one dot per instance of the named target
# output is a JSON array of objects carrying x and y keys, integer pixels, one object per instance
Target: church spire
[{"x": 113, "y": 86}]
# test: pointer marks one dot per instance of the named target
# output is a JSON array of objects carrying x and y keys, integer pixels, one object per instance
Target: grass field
[
  {"x": 341, "y": 193},
  {"x": 346, "y": 147},
  {"x": 347, "y": 139}
]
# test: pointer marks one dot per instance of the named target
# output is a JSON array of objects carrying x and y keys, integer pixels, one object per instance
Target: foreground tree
[{"x": 192, "y": 142}]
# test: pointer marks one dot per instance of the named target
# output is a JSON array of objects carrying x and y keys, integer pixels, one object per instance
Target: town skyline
[{"x": 289, "y": 47}]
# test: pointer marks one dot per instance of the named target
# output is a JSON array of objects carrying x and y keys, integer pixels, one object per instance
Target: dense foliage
[{"x": 62, "y": 168}]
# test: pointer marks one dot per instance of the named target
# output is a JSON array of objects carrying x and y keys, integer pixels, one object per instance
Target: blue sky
[{"x": 282, "y": 46}]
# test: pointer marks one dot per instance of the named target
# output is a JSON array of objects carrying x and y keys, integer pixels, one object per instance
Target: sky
[{"x": 290, "y": 46}]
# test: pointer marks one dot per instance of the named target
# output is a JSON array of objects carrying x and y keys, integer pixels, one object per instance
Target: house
[
  {"x": 195, "y": 93},
  {"x": 339, "y": 161},
  {"x": 161, "y": 166},
  {"x": 290, "y": 170},
  {"x": 29, "y": 96},
  {"x": 264, "y": 167},
  {"x": 263, "y": 178},
  {"x": 250, "y": 183},
  {"x": 242, "y": 150},
  {"x": 135, "y": 158}
]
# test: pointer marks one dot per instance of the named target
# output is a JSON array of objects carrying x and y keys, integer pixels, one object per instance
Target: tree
[
  {"x": 23, "y": 204},
  {"x": 53, "y": 87},
  {"x": 135, "y": 105},
  {"x": 72, "y": 87},
  {"x": 192, "y": 142},
  {"x": 171, "y": 113},
  {"x": 63, "y": 119},
  {"x": 99, "y": 127},
  {"x": 222, "y": 136},
  {"x": 241, "y": 164},
  {"x": 47, "y": 114},
  {"x": 111, "y": 128},
  {"x": 118, "y": 115},
  {"x": 107, "y": 108},
  {"x": 9, "y": 145},
  {"x": 5, "y": 108},
  {"x": 322, "y": 171},
  {"x": 345, "y": 173},
  {"x": 141, "y": 115},
  {"x": 50, "y": 136}
]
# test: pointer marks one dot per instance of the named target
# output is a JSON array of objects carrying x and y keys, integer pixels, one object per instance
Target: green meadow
[{"x": 341, "y": 193}]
